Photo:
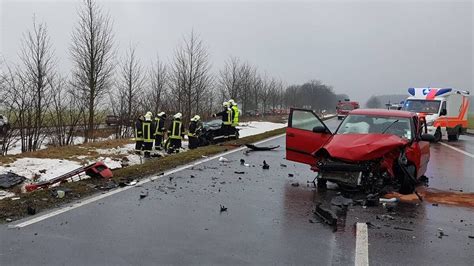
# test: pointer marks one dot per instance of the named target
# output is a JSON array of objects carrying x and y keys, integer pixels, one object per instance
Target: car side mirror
[
  {"x": 319, "y": 129},
  {"x": 443, "y": 112},
  {"x": 428, "y": 137}
]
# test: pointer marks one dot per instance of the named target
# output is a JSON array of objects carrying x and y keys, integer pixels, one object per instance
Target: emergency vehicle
[
  {"x": 445, "y": 110},
  {"x": 344, "y": 107}
]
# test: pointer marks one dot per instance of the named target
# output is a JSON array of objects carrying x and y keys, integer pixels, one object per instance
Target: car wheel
[
  {"x": 438, "y": 135},
  {"x": 322, "y": 184},
  {"x": 454, "y": 137}
]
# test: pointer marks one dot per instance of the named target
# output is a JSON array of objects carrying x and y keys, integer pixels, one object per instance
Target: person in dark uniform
[
  {"x": 195, "y": 127},
  {"x": 226, "y": 115},
  {"x": 175, "y": 134},
  {"x": 159, "y": 130},
  {"x": 138, "y": 134},
  {"x": 147, "y": 130}
]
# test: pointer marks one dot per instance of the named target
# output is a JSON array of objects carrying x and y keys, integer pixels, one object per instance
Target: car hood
[{"x": 362, "y": 147}]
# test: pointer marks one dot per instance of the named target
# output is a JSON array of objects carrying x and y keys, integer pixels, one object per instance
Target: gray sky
[{"x": 359, "y": 47}]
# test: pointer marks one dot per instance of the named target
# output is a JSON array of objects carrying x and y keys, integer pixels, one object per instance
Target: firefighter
[
  {"x": 147, "y": 130},
  {"x": 175, "y": 134},
  {"x": 235, "y": 116},
  {"x": 159, "y": 130},
  {"x": 193, "y": 133},
  {"x": 138, "y": 134},
  {"x": 226, "y": 115}
]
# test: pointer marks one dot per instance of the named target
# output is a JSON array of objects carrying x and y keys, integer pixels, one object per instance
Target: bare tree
[
  {"x": 92, "y": 54},
  {"x": 38, "y": 68},
  {"x": 131, "y": 85},
  {"x": 66, "y": 113},
  {"x": 190, "y": 76},
  {"x": 373, "y": 102},
  {"x": 230, "y": 78},
  {"x": 158, "y": 86}
]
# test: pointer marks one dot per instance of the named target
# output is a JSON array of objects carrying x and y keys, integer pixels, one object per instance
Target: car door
[
  {"x": 301, "y": 138},
  {"x": 419, "y": 151}
]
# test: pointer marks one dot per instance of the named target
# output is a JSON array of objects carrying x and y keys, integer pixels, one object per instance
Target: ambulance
[{"x": 445, "y": 110}]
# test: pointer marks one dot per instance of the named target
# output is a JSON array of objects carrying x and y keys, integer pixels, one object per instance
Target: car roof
[{"x": 382, "y": 112}]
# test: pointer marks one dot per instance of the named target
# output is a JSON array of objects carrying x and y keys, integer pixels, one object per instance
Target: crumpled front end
[{"x": 354, "y": 165}]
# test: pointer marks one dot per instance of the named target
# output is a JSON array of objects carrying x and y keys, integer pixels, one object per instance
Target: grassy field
[{"x": 470, "y": 119}]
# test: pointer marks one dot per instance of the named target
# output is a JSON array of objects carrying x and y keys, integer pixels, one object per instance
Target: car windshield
[
  {"x": 364, "y": 124},
  {"x": 422, "y": 106}
]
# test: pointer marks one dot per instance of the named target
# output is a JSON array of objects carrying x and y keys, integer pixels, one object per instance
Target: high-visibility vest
[
  {"x": 138, "y": 131},
  {"x": 235, "y": 111},
  {"x": 158, "y": 129},
  {"x": 146, "y": 129},
  {"x": 176, "y": 130},
  {"x": 229, "y": 117}
]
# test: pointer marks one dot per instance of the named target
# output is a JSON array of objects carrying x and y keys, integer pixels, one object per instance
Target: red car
[{"x": 373, "y": 150}]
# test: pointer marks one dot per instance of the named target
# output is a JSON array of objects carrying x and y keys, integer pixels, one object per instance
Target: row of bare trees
[{"x": 46, "y": 103}]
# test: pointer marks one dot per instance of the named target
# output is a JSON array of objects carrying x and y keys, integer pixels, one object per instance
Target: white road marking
[
  {"x": 144, "y": 181},
  {"x": 362, "y": 245},
  {"x": 457, "y": 149}
]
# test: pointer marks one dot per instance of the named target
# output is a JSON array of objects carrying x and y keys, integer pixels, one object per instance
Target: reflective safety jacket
[
  {"x": 226, "y": 116},
  {"x": 176, "y": 130},
  {"x": 147, "y": 131},
  {"x": 235, "y": 115},
  {"x": 138, "y": 130},
  {"x": 159, "y": 126}
]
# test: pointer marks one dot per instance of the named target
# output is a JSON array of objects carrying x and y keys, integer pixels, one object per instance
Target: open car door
[{"x": 305, "y": 134}]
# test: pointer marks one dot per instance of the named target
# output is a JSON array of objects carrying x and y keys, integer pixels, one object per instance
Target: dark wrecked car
[
  {"x": 372, "y": 150},
  {"x": 212, "y": 133}
]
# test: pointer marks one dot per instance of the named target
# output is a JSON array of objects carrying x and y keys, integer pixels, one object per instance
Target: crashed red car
[{"x": 372, "y": 150}]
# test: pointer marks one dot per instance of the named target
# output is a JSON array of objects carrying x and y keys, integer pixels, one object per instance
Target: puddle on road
[{"x": 433, "y": 195}]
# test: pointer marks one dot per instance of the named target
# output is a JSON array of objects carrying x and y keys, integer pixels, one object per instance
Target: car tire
[
  {"x": 454, "y": 137},
  {"x": 438, "y": 135},
  {"x": 322, "y": 184}
]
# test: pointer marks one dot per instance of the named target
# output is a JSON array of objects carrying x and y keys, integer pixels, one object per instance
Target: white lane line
[
  {"x": 457, "y": 149},
  {"x": 362, "y": 245},
  {"x": 144, "y": 181}
]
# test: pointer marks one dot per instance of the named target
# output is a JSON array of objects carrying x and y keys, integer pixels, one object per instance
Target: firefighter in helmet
[
  {"x": 139, "y": 134},
  {"x": 175, "y": 134},
  {"x": 226, "y": 115},
  {"x": 159, "y": 130},
  {"x": 193, "y": 132},
  {"x": 147, "y": 130},
  {"x": 235, "y": 116}
]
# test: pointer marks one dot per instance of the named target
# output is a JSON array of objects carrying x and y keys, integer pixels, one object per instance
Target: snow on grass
[
  {"x": 5, "y": 194},
  {"x": 29, "y": 167},
  {"x": 257, "y": 127}
]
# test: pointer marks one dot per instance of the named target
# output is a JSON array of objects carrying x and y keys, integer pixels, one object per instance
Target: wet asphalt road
[{"x": 267, "y": 221}]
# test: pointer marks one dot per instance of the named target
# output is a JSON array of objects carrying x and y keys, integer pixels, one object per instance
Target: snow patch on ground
[
  {"x": 5, "y": 194},
  {"x": 257, "y": 127},
  {"x": 28, "y": 167}
]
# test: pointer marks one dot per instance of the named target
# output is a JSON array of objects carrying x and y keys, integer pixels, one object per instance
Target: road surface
[{"x": 268, "y": 220}]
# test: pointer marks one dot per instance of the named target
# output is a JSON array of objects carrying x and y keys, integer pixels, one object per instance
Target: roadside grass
[
  {"x": 470, "y": 121},
  {"x": 42, "y": 200}
]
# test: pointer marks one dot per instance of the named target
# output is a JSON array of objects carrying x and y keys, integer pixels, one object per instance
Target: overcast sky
[{"x": 359, "y": 47}]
